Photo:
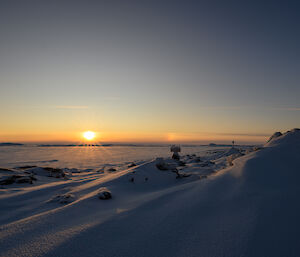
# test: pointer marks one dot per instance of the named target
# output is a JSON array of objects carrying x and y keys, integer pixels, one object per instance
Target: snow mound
[
  {"x": 275, "y": 135},
  {"x": 232, "y": 151},
  {"x": 162, "y": 164},
  {"x": 291, "y": 137}
]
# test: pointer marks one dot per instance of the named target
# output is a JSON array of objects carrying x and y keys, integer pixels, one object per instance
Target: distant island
[
  {"x": 101, "y": 145},
  {"x": 10, "y": 144},
  {"x": 222, "y": 145}
]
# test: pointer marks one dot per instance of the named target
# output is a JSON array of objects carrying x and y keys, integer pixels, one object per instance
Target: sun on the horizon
[{"x": 89, "y": 135}]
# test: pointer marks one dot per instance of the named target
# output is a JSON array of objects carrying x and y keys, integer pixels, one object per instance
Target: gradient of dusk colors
[{"x": 148, "y": 71}]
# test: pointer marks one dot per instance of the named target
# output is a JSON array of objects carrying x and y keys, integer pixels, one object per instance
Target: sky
[{"x": 148, "y": 71}]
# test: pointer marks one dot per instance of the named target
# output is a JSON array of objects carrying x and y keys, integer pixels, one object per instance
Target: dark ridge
[{"x": 10, "y": 144}]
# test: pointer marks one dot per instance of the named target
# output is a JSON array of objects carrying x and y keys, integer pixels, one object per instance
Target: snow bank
[{"x": 248, "y": 209}]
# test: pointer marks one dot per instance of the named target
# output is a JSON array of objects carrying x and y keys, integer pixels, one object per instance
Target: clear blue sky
[{"x": 152, "y": 70}]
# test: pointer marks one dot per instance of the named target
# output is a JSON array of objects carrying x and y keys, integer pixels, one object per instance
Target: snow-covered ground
[{"x": 230, "y": 202}]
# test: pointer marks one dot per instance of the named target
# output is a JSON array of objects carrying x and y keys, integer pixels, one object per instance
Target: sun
[{"x": 89, "y": 135}]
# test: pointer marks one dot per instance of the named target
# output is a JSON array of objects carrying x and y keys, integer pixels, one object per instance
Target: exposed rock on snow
[
  {"x": 196, "y": 159},
  {"x": 257, "y": 148},
  {"x": 6, "y": 170},
  {"x": 7, "y": 179},
  {"x": 55, "y": 172},
  {"x": 48, "y": 171},
  {"x": 161, "y": 164},
  {"x": 175, "y": 149},
  {"x": 232, "y": 154},
  {"x": 63, "y": 198},
  {"x": 288, "y": 138},
  {"x": 104, "y": 194},
  {"x": 181, "y": 163},
  {"x": 295, "y": 130},
  {"x": 206, "y": 164},
  {"x": 27, "y": 167},
  {"x": 25, "y": 179},
  {"x": 232, "y": 151},
  {"x": 131, "y": 165},
  {"x": 275, "y": 135},
  {"x": 230, "y": 159}
]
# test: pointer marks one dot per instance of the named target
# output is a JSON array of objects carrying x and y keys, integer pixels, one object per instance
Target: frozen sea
[{"x": 87, "y": 157}]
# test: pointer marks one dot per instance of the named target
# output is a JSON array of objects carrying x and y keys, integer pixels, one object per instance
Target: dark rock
[
  {"x": 181, "y": 163},
  {"x": 53, "y": 170},
  {"x": 206, "y": 163},
  {"x": 161, "y": 164},
  {"x": 104, "y": 194},
  {"x": 131, "y": 165},
  {"x": 33, "y": 178},
  {"x": 24, "y": 180},
  {"x": 17, "y": 179},
  {"x": 175, "y": 170},
  {"x": 175, "y": 156},
  {"x": 67, "y": 198},
  {"x": 6, "y": 170},
  {"x": 26, "y": 167},
  {"x": 48, "y": 171},
  {"x": 275, "y": 135},
  {"x": 111, "y": 169},
  {"x": 197, "y": 159},
  {"x": 182, "y": 175},
  {"x": 8, "y": 180},
  {"x": 64, "y": 198}
]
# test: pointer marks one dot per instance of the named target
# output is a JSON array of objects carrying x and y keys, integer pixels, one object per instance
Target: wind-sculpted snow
[{"x": 248, "y": 209}]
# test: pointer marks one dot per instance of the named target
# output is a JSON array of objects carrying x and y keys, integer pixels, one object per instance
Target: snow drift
[{"x": 248, "y": 209}]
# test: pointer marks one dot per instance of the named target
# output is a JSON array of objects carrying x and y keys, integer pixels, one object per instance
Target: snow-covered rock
[
  {"x": 161, "y": 164},
  {"x": 8, "y": 177},
  {"x": 63, "y": 198},
  {"x": 291, "y": 138},
  {"x": 104, "y": 193},
  {"x": 47, "y": 171},
  {"x": 233, "y": 151},
  {"x": 131, "y": 165},
  {"x": 275, "y": 135}
]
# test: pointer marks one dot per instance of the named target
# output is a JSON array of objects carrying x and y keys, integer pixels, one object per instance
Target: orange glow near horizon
[{"x": 128, "y": 137}]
